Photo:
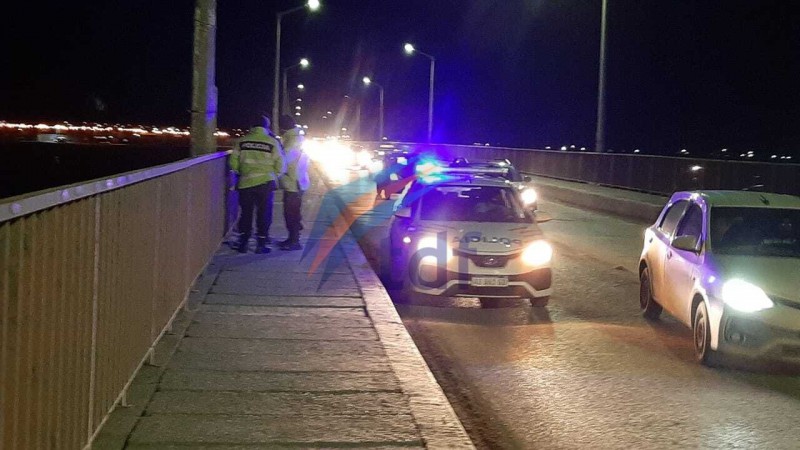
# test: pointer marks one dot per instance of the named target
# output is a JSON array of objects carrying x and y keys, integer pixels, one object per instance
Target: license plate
[{"x": 489, "y": 281}]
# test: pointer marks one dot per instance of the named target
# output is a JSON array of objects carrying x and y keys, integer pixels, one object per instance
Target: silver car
[
  {"x": 727, "y": 264},
  {"x": 468, "y": 236}
]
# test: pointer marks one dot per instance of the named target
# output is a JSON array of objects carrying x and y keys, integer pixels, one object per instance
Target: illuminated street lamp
[
  {"x": 303, "y": 64},
  {"x": 368, "y": 81},
  {"x": 312, "y": 5},
  {"x": 410, "y": 50},
  {"x": 301, "y": 86}
]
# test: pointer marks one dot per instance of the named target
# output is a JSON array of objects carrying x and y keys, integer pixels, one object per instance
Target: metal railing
[
  {"x": 91, "y": 276},
  {"x": 646, "y": 173}
]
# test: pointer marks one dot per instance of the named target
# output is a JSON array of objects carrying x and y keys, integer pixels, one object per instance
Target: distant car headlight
[
  {"x": 528, "y": 197},
  {"x": 538, "y": 253},
  {"x": 745, "y": 297}
]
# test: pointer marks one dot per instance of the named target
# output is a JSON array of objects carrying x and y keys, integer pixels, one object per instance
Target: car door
[
  {"x": 681, "y": 266},
  {"x": 658, "y": 247}
]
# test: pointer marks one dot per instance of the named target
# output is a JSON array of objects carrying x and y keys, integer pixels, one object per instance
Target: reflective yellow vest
[{"x": 258, "y": 158}]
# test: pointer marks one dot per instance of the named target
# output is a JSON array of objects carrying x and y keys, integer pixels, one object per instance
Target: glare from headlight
[
  {"x": 432, "y": 242},
  {"x": 363, "y": 158},
  {"x": 376, "y": 165},
  {"x": 538, "y": 253},
  {"x": 745, "y": 297},
  {"x": 528, "y": 196}
]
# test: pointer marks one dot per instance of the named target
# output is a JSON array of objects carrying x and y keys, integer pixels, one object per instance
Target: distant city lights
[{"x": 98, "y": 128}]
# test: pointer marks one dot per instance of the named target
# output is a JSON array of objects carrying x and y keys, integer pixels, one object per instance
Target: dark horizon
[{"x": 721, "y": 74}]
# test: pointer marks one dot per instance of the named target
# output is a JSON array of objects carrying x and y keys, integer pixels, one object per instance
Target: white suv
[
  {"x": 727, "y": 264},
  {"x": 469, "y": 236}
]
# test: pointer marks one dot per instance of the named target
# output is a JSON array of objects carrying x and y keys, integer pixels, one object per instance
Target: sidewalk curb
[
  {"x": 438, "y": 424},
  {"x": 437, "y": 421}
]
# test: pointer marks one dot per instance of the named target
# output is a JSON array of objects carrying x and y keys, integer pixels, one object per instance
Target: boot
[
  {"x": 293, "y": 243},
  {"x": 292, "y": 246},
  {"x": 242, "y": 245},
  {"x": 262, "y": 245}
]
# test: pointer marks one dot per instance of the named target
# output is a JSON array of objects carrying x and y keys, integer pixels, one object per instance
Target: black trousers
[
  {"x": 292, "y": 213},
  {"x": 258, "y": 200}
]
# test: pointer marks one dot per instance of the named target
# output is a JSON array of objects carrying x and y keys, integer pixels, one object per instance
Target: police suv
[{"x": 470, "y": 236}]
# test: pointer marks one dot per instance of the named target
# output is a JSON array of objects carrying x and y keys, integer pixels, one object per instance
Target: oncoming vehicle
[
  {"x": 469, "y": 236},
  {"x": 727, "y": 264},
  {"x": 501, "y": 168}
]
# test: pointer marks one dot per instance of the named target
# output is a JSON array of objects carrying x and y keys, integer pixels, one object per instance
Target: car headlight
[
  {"x": 745, "y": 297},
  {"x": 538, "y": 253},
  {"x": 433, "y": 243},
  {"x": 528, "y": 197}
]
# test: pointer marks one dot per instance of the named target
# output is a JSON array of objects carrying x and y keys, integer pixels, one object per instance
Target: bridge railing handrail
[
  {"x": 91, "y": 276},
  {"x": 13, "y": 207}
]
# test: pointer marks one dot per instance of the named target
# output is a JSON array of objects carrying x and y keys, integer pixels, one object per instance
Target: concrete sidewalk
[{"x": 272, "y": 354}]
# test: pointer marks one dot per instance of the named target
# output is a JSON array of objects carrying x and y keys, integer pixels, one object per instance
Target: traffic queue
[{"x": 726, "y": 264}]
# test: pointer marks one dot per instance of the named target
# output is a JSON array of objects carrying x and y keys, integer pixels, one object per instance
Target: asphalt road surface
[{"x": 587, "y": 371}]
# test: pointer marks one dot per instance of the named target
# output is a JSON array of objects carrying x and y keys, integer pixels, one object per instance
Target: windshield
[
  {"x": 472, "y": 204},
  {"x": 756, "y": 232}
]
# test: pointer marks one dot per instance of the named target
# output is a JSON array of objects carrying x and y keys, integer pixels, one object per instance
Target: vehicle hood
[
  {"x": 484, "y": 237},
  {"x": 779, "y": 277}
]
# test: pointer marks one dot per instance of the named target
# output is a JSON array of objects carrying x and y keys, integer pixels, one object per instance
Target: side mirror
[
  {"x": 527, "y": 179},
  {"x": 686, "y": 243},
  {"x": 403, "y": 213}
]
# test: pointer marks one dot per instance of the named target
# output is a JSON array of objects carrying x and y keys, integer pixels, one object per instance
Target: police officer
[
  {"x": 258, "y": 160},
  {"x": 294, "y": 182}
]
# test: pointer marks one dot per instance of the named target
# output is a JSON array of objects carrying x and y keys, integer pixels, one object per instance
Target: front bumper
[
  {"x": 771, "y": 335},
  {"x": 534, "y": 284}
]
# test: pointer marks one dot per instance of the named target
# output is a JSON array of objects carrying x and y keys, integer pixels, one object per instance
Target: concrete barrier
[{"x": 600, "y": 199}]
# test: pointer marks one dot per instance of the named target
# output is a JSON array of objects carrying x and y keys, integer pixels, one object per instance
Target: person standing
[
  {"x": 294, "y": 182},
  {"x": 258, "y": 160}
]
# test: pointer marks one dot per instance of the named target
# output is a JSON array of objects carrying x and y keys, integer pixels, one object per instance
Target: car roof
[
  {"x": 746, "y": 199},
  {"x": 469, "y": 180}
]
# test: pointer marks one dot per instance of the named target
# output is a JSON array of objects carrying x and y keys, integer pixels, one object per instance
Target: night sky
[{"x": 700, "y": 75}]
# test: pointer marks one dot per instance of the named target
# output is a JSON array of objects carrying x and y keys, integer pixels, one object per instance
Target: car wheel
[
  {"x": 650, "y": 309},
  {"x": 540, "y": 302},
  {"x": 701, "y": 332}
]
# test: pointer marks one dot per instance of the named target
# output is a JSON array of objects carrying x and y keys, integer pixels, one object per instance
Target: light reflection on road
[{"x": 587, "y": 371}]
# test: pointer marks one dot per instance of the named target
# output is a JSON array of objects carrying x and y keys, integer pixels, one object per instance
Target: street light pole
[
  {"x": 204, "y": 89},
  {"x": 313, "y": 5},
  {"x": 284, "y": 89},
  {"x": 410, "y": 49},
  {"x": 430, "y": 99},
  {"x": 368, "y": 81},
  {"x": 380, "y": 116},
  {"x": 275, "y": 91},
  {"x": 599, "y": 145}
]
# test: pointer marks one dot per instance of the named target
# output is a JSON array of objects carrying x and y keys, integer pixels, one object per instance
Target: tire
[
  {"x": 701, "y": 337},
  {"x": 650, "y": 309},
  {"x": 540, "y": 302}
]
